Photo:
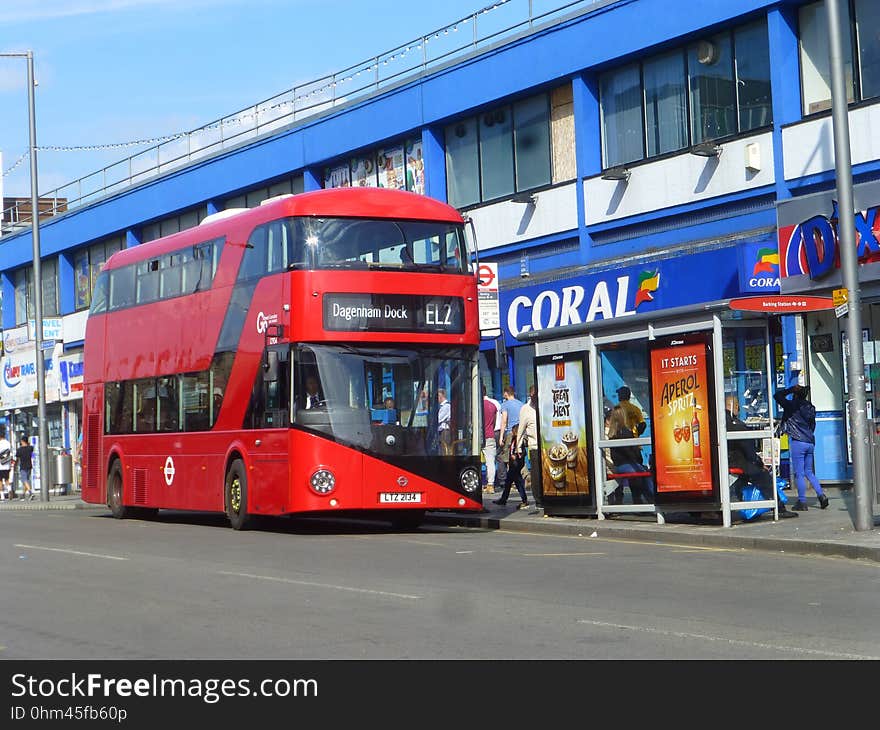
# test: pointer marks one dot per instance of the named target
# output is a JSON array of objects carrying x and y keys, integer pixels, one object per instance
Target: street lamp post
[
  {"x": 861, "y": 449},
  {"x": 38, "y": 283}
]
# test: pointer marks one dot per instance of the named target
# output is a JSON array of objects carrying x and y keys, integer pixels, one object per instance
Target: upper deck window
[
  {"x": 355, "y": 243},
  {"x": 384, "y": 244},
  {"x": 184, "y": 271}
]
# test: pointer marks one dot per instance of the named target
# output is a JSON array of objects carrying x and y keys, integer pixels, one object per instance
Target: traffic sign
[
  {"x": 841, "y": 309},
  {"x": 840, "y": 296}
]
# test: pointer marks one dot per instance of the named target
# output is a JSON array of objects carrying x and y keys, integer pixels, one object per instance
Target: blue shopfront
[
  {"x": 810, "y": 264},
  {"x": 618, "y": 291}
]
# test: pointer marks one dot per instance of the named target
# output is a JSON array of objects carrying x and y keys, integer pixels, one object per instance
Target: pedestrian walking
[
  {"x": 527, "y": 443},
  {"x": 799, "y": 422},
  {"x": 490, "y": 445},
  {"x": 514, "y": 473},
  {"x": 24, "y": 465},
  {"x": 510, "y": 408},
  {"x": 7, "y": 490}
]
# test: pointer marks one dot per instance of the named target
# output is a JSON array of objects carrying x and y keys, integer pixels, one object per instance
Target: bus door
[{"x": 269, "y": 418}]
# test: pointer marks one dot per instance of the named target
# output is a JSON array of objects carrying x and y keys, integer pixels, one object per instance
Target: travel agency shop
[{"x": 809, "y": 262}]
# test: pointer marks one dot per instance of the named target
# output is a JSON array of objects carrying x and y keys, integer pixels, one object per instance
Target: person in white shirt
[
  {"x": 527, "y": 440},
  {"x": 5, "y": 466},
  {"x": 444, "y": 417}
]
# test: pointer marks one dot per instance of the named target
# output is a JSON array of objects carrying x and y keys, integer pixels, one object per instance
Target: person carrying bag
[{"x": 799, "y": 423}]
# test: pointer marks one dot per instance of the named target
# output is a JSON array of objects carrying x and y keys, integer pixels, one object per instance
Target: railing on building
[{"x": 489, "y": 25}]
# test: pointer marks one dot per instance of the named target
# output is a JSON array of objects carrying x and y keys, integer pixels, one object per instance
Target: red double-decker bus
[{"x": 315, "y": 355}]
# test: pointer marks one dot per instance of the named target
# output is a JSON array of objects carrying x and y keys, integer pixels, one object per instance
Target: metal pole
[
  {"x": 864, "y": 519},
  {"x": 38, "y": 292}
]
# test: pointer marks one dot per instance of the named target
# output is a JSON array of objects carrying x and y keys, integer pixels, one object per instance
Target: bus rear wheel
[
  {"x": 236, "y": 496},
  {"x": 114, "y": 494}
]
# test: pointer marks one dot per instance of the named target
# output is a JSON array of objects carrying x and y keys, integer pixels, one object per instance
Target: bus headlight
[
  {"x": 323, "y": 481},
  {"x": 470, "y": 480}
]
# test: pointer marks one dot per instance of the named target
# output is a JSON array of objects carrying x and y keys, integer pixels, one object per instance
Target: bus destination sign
[{"x": 393, "y": 313}]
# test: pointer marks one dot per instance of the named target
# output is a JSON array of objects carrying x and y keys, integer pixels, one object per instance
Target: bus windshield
[
  {"x": 404, "y": 401},
  {"x": 382, "y": 244}
]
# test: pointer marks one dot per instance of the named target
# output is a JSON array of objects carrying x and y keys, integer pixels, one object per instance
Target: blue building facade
[{"x": 622, "y": 156}]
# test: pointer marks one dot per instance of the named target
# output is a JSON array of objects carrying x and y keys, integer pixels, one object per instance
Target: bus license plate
[{"x": 400, "y": 496}]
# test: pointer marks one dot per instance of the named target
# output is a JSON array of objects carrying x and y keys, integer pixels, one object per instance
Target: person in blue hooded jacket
[{"x": 799, "y": 422}]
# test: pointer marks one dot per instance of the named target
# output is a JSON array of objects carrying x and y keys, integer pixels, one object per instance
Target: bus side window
[
  {"x": 100, "y": 293},
  {"x": 255, "y": 262},
  {"x": 147, "y": 281},
  {"x": 119, "y": 407},
  {"x": 169, "y": 404},
  {"x": 171, "y": 275},
  {"x": 194, "y": 399},
  {"x": 122, "y": 287},
  {"x": 145, "y": 402}
]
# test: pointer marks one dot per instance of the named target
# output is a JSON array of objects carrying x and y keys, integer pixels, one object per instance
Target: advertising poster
[
  {"x": 681, "y": 394},
  {"x": 363, "y": 172},
  {"x": 82, "y": 280},
  {"x": 391, "y": 168},
  {"x": 337, "y": 177},
  {"x": 563, "y": 432},
  {"x": 415, "y": 167}
]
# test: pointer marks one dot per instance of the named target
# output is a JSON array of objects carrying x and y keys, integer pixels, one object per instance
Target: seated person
[
  {"x": 743, "y": 454},
  {"x": 391, "y": 412},
  {"x": 628, "y": 459},
  {"x": 312, "y": 398}
]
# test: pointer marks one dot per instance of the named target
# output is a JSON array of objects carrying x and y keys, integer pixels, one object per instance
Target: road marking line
[
  {"x": 739, "y": 642},
  {"x": 70, "y": 552},
  {"x": 555, "y": 555},
  {"x": 321, "y": 585}
]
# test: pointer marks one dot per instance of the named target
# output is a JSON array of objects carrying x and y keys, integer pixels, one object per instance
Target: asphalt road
[{"x": 79, "y": 584}]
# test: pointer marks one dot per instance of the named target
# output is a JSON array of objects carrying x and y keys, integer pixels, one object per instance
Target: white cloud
[{"x": 49, "y": 9}]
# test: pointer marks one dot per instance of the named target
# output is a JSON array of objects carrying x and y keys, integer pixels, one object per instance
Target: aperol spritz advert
[{"x": 680, "y": 396}]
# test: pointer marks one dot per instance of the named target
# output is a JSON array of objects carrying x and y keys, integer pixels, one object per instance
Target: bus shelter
[{"x": 679, "y": 369}]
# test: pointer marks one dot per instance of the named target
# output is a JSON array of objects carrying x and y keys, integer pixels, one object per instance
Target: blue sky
[{"x": 117, "y": 70}]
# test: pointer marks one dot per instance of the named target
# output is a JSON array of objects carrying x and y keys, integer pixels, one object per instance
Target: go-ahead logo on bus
[{"x": 264, "y": 320}]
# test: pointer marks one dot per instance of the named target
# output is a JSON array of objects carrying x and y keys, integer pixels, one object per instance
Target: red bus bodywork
[{"x": 189, "y": 470}]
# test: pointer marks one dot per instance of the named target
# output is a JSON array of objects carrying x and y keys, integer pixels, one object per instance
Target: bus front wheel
[
  {"x": 114, "y": 494},
  {"x": 236, "y": 496}
]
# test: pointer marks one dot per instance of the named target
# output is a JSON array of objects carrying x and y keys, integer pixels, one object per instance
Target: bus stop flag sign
[
  {"x": 487, "y": 292},
  {"x": 781, "y": 304}
]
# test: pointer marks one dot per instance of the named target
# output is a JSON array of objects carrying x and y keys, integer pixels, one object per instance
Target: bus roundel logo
[{"x": 169, "y": 471}]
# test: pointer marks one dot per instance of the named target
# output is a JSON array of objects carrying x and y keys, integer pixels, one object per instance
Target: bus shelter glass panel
[
  {"x": 626, "y": 407},
  {"x": 564, "y": 434},
  {"x": 748, "y": 408},
  {"x": 746, "y": 374}
]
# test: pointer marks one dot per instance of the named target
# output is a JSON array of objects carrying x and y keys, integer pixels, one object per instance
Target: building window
[
  {"x": 462, "y": 163},
  {"x": 622, "y": 136},
  {"x": 25, "y": 302},
  {"x": 499, "y": 152},
  {"x": 665, "y": 103},
  {"x": 252, "y": 198},
  {"x": 87, "y": 264},
  {"x": 645, "y": 107},
  {"x": 752, "y": 57},
  {"x": 173, "y": 224},
  {"x": 396, "y": 166},
  {"x": 861, "y": 66},
  {"x": 713, "y": 94}
]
